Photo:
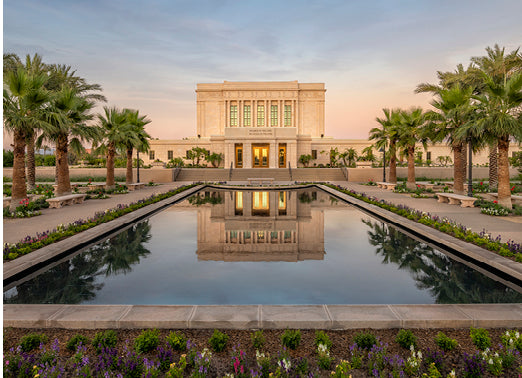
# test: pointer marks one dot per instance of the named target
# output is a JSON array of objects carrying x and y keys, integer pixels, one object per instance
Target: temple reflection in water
[{"x": 262, "y": 226}]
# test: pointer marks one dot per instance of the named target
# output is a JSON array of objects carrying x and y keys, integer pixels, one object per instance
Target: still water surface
[{"x": 299, "y": 247}]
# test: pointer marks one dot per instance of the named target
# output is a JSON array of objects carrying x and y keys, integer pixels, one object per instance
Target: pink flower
[{"x": 481, "y": 183}]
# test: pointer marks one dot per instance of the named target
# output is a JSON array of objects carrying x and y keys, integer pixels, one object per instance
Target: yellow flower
[{"x": 183, "y": 355}]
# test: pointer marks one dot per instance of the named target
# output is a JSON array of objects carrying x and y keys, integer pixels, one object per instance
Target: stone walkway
[{"x": 509, "y": 228}]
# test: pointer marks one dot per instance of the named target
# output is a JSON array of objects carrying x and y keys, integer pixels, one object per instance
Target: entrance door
[
  {"x": 260, "y": 155},
  {"x": 239, "y": 156},
  {"x": 282, "y": 156}
]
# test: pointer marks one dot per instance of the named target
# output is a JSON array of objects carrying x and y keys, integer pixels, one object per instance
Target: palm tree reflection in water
[
  {"x": 74, "y": 281},
  {"x": 448, "y": 281}
]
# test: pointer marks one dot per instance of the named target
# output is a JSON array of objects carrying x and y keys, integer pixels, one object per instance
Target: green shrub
[
  {"x": 177, "y": 341},
  {"x": 405, "y": 338},
  {"x": 301, "y": 367},
  {"x": 74, "y": 341},
  {"x": 218, "y": 341},
  {"x": 291, "y": 338},
  {"x": 148, "y": 340},
  {"x": 32, "y": 341},
  {"x": 365, "y": 340},
  {"x": 106, "y": 339},
  {"x": 322, "y": 338},
  {"x": 444, "y": 342},
  {"x": 480, "y": 338},
  {"x": 258, "y": 339}
]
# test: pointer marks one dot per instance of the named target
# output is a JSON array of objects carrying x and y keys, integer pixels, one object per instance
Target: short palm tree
[
  {"x": 24, "y": 101},
  {"x": 410, "y": 132},
  {"x": 68, "y": 115},
  {"x": 116, "y": 131},
  {"x": 387, "y": 138},
  {"x": 137, "y": 138}
]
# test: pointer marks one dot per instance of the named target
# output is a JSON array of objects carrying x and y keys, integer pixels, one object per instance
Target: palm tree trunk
[
  {"x": 19, "y": 189},
  {"x": 31, "y": 168},
  {"x": 111, "y": 151},
  {"x": 493, "y": 166},
  {"x": 62, "y": 167},
  {"x": 459, "y": 173},
  {"x": 393, "y": 162},
  {"x": 504, "y": 191},
  {"x": 128, "y": 175},
  {"x": 411, "y": 168}
]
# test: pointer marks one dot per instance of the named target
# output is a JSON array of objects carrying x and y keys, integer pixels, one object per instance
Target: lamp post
[
  {"x": 383, "y": 150},
  {"x": 470, "y": 168},
  {"x": 138, "y": 166}
]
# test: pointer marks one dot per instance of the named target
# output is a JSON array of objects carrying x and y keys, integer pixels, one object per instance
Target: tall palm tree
[
  {"x": 453, "y": 110},
  {"x": 387, "y": 138},
  {"x": 499, "y": 66},
  {"x": 138, "y": 138},
  {"x": 116, "y": 131},
  {"x": 68, "y": 115},
  {"x": 24, "y": 99},
  {"x": 409, "y": 133},
  {"x": 499, "y": 119}
]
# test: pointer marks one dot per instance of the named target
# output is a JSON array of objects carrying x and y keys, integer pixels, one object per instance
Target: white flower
[
  {"x": 452, "y": 374},
  {"x": 517, "y": 335},
  {"x": 419, "y": 355},
  {"x": 490, "y": 361}
]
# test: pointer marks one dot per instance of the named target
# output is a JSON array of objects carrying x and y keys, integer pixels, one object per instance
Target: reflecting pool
[{"x": 264, "y": 247}]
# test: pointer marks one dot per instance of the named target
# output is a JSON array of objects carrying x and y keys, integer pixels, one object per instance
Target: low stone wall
[
  {"x": 163, "y": 175},
  {"x": 158, "y": 175}
]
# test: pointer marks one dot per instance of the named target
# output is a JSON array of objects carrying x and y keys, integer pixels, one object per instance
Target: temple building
[{"x": 270, "y": 125}]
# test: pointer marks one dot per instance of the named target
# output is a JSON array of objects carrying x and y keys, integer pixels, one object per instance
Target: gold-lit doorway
[
  {"x": 239, "y": 155},
  {"x": 282, "y": 155},
  {"x": 260, "y": 155}
]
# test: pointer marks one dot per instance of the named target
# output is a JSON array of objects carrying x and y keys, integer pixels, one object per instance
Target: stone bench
[
  {"x": 456, "y": 199},
  {"x": 136, "y": 186},
  {"x": 517, "y": 200},
  {"x": 386, "y": 185},
  {"x": 260, "y": 181},
  {"x": 425, "y": 185},
  {"x": 96, "y": 186},
  {"x": 57, "y": 202}
]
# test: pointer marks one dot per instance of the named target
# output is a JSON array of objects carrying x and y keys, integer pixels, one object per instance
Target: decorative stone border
[{"x": 264, "y": 316}]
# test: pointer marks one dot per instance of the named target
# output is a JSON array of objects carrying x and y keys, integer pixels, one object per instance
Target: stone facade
[{"x": 269, "y": 125}]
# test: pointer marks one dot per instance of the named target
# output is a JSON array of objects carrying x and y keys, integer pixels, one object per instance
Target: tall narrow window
[
  {"x": 273, "y": 115},
  {"x": 151, "y": 155},
  {"x": 428, "y": 155},
  {"x": 247, "y": 115},
  {"x": 260, "y": 115},
  {"x": 170, "y": 155},
  {"x": 233, "y": 115},
  {"x": 288, "y": 115}
]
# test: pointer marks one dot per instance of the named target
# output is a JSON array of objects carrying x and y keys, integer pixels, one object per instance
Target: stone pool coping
[{"x": 263, "y": 316}]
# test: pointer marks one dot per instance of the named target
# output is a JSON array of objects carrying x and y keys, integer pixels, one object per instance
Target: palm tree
[
  {"x": 117, "y": 131},
  {"x": 453, "y": 110},
  {"x": 499, "y": 66},
  {"x": 24, "y": 99},
  {"x": 409, "y": 133},
  {"x": 67, "y": 115},
  {"x": 137, "y": 138},
  {"x": 499, "y": 119},
  {"x": 387, "y": 137}
]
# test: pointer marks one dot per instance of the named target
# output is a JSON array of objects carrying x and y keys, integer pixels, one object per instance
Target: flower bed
[
  {"x": 193, "y": 353},
  {"x": 509, "y": 249},
  {"x": 31, "y": 243}
]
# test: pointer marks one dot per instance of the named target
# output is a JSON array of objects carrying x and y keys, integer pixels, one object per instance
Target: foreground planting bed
[{"x": 151, "y": 353}]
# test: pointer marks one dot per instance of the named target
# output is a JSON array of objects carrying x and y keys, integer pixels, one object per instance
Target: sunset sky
[{"x": 149, "y": 55}]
